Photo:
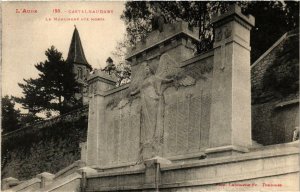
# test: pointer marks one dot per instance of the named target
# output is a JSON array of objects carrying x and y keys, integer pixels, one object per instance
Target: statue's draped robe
[{"x": 152, "y": 116}]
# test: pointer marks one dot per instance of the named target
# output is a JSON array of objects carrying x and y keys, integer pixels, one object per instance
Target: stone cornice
[
  {"x": 234, "y": 13},
  {"x": 155, "y": 39}
]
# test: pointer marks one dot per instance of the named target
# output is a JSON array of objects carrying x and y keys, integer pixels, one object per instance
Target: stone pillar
[
  {"x": 9, "y": 183},
  {"x": 85, "y": 172},
  {"x": 99, "y": 82},
  {"x": 152, "y": 172},
  {"x": 230, "y": 127},
  {"x": 46, "y": 179}
]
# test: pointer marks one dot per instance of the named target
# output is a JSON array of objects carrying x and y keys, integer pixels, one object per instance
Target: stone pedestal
[
  {"x": 99, "y": 82},
  {"x": 230, "y": 127},
  {"x": 46, "y": 179},
  {"x": 9, "y": 183},
  {"x": 152, "y": 172}
]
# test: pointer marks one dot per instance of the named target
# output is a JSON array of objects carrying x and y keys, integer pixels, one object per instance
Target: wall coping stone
[
  {"x": 87, "y": 170},
  {"x": 61, "y": 182},
  {"x": 116, "y": 173},
  {"x": 269, "y": 50},
  {"x": 286, "y": 35},
  {"x": 9, "y": 182},
  {"x": 227, "y": 148},
  {"x": 25, "y": 184},
  {"x": 103, "y": 75},
  {"x": 286, "y": 103},
  {"x": 45, "y": 175},
  {"x": 234, "y": 178},
  {"x": 187, "y": 156},
  {"x": 113, "y": 166},
  {"x": 236, "y": 11},
  {"x": 117, "y": 89},
  {"x": 78, "y": 164},
  {"x": 259, "y": 153},
  {"x": 171, "y": 30},
  {"x": 157, "y": 160},
  {"x": 196, "y": 58},
  {"x": 122, "y": 188}
]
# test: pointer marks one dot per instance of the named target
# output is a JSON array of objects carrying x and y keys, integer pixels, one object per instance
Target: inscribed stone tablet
[
  {"x": 182, "y": 126},
  {"x": 116, "y": 144},
  {"x": 205, "y": 120},
  {"x": 135, "y": 131},
  {"x": 194, "y": 123},
  {"x": 170, "y": 129}
]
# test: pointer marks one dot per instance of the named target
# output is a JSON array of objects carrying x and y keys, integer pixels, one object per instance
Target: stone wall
[
  {"x": 274, "y": 122},
  {"x": 274, "y": 117},
  {"x": 258, "y": 68},
  {"x": 186, "y": 118},
  {"x": 47, "y": 146},
  {"x": 179, "y": 105},
  {"x": 271, "y": 168}
]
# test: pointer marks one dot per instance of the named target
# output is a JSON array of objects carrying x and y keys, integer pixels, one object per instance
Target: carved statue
[
  {"x": 151, "y": 87},
  {"x": 152, "y": 103}
]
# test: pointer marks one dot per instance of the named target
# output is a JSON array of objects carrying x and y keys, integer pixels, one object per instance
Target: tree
[
  {"x": 10, "y": 116},
  {"x": 110, "y": 66},
  {"x": 122, "y": 71},
  {"x": 55, "y": 87},
  {"x": 272, "y": 19}
]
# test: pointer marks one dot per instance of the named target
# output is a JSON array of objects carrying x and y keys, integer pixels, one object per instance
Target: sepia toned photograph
[{"x": 149, "y": 96}]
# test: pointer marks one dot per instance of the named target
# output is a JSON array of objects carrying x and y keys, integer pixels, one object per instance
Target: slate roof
[{"x": 76, "y": 53}]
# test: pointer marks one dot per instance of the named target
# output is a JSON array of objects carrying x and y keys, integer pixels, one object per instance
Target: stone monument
[
  {"x": 177, "y": 106},
  {"x": 182, "y": 122}
]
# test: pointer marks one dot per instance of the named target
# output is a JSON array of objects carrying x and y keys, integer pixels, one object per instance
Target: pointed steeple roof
[{"x": 76, "y": 53}]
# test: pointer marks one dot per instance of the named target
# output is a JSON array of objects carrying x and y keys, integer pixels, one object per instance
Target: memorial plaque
[
  {"x": 194, "y": 123},
  {"x": 116, "y": 144},
  {"x": 110, "y": 139},
  {"x": 127, "y": 133},
  {"x": 205, "y": 120},
  {"x": 123, "y": 130},
  {"x": 102, "y": 150},
  {"x": 170, "y": 129},
  {"x": 182, "y": 126},
  {"x": 134, "y": 132}
]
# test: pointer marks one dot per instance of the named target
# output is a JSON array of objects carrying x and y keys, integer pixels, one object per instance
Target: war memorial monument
[{"x": 182, "y": 124}]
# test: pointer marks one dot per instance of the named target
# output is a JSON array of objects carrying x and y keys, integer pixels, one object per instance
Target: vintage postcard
[{"x": 150, "y": 96}]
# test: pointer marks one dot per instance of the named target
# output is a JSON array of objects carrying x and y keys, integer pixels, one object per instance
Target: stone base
[
  {"x": 152, "y": 172},
  {"x": 215, "y": 174},
  {"x": 225, "y": 151},
  {"x": 158, "y": 160}
]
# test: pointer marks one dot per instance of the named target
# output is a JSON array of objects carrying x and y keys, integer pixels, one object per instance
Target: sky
[{"x": 26, "y": 35}]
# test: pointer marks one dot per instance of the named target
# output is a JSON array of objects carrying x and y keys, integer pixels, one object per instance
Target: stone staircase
[{"x": 70, "y": 178}]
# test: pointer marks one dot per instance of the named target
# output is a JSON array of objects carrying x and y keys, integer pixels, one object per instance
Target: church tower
[{"x": 81, "y": 67}]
